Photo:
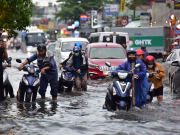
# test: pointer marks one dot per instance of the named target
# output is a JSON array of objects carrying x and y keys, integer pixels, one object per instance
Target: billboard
[
  {"x": 177, "y": 5},
  {"x": 123, "y": 4},
  {"x": 110, "y": 10}
]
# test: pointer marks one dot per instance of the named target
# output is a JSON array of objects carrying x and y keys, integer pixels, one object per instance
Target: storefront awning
[
  {"x": 133, "y": 24},
  {"x": 100, "y": 26}
]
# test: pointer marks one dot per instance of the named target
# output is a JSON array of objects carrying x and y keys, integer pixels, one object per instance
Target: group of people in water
[
  {"x": 78, "y": 60},
  {"x": 141, "y": 84}
]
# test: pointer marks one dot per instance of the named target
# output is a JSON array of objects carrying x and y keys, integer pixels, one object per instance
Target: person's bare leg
[{"x": 160, "y": 98}]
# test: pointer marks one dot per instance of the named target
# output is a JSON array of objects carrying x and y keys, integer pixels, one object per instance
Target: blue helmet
[
  {"x": 131, "y": 51},
  {"x": 78, "y": 44},
  {"x": 76, "y": 48}
]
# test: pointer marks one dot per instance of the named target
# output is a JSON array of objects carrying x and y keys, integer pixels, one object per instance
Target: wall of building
[{"x": 160, "y": 14}]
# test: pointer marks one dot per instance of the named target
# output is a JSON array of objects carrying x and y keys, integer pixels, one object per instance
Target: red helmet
[
  {"x": 139, "y": 52},
  {"x": 150, "y": 60}
]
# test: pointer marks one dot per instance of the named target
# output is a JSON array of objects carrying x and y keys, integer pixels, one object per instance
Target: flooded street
[{"x": 81, "y": 113}]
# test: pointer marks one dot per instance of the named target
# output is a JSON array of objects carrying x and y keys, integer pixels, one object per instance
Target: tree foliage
[
  {"x": 132, "y": 4},
  {"x": 15, "y": 15},
  {"x": 72, "y": 9}
]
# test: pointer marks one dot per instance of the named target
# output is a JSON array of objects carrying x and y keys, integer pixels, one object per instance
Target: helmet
[
  {"x": 76, "y": 48},
  {"x": 41, "y": 47},
  {"x": 131, "y": 51},
  {"x": 139, "y": 52},
  {"x": 150, "y": 60},
  {"x": 143, "y": 47},
  {"x": 78, "y": 44}
]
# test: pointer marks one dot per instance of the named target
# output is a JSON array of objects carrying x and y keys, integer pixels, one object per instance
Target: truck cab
[
  {"x": 121, "y": 38},
  {"x": 31, "y": 39}
]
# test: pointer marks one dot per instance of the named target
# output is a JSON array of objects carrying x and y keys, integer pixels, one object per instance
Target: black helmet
[
  {"x": 41, "y": 47},
  {"x": 143, "y": 47}
]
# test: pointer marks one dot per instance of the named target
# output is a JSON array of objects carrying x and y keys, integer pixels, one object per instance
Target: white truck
[
  {"x": 121, "y": 38},
  {"x": 31, "y": 39},
  {"x": 156, "y": 39}
]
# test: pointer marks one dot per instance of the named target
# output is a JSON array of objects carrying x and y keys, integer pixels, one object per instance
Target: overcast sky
[{"x": 44, "y": 2}]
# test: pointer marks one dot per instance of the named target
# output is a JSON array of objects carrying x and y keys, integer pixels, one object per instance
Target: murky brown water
[{"x": 82, "y": 113}]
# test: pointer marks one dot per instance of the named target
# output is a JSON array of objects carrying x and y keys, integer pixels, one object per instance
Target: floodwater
[{"x": 81, "y": 113}]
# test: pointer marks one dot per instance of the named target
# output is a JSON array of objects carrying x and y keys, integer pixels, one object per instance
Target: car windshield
[
  {"x": 52, "y": 47},
  {"x": 68, "y": 46},
  {"x": 107, "y": 53},
  {"x": 35, "y": 38}
]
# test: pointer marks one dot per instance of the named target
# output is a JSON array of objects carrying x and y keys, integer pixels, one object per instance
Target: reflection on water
[{"x": 81, "y": 113}]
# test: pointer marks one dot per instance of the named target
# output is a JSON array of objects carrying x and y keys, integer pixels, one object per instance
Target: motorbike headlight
[
  {"x": 92, "y": 65},
  {"x": 25, "y": 81},
  {"x": 114, "y": 91},
  {"x": 36, "y": 82},
  {"x": 31, "y": 70},
  {"x": 122, "y": 75}
]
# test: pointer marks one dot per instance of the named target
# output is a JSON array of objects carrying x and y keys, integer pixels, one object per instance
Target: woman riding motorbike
[{"x": 153, "y": 66}]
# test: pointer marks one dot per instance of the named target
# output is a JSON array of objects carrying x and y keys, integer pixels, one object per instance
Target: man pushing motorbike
[
  {"x": 78, "y": 61},
  {"x": 141, "y": 82},
  {"x": 48, "y": 73}
]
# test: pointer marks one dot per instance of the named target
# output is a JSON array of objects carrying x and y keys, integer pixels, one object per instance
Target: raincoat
[
  {"x": 141, "y": 84},
  {"x": 157, "y": 82}
]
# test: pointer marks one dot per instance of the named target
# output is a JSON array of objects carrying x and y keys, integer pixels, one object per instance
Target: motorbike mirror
[
  {"x": 137, "y": 65},
  {"x": 9, "y": 59},
  {"x": 108, "y": 64},
  {"x": 18, "y": 61}
]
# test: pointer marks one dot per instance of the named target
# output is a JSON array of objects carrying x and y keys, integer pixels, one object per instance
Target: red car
[{"x": 99, "y": 53}]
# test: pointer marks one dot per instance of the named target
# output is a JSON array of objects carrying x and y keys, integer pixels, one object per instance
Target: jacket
[
  {"x": 49, "y": 58},
  {"x": 141, "y": 84},
  {"x": 157, "y": 82},
  {"x": 71, "y": 61},
  {"x": 145, "y": 54}
]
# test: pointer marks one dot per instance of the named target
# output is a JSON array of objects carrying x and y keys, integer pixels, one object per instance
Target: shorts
[{"x": 158, "y": 92}]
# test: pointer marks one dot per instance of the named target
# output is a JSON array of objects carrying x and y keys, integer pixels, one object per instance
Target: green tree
[
  {"x": 132, "y": 4},
  {"x": 72, "y": 9},
  {"x": 15, "y": 15}
]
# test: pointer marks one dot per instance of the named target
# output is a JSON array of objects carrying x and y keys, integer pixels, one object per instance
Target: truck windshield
[
  {"x": 68, "y": 46},
  {"x": 107, "y": 53},
  {"x": 35, "y": 38}
]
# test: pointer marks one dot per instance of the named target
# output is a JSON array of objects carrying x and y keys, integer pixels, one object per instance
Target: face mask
[
  {"x": 150, "y": 66},
  {"x": 131, "y": 58},
  {"x": 76, "y": 54}
]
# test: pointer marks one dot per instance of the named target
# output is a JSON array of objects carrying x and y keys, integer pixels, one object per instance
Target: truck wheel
[{"x": 28, "y": 97}]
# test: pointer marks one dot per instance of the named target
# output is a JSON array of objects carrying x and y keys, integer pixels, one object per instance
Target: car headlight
[
  {"x": 25, "y": 81},
  {"x": 36, "y": 82},
  {"x": 92, "y": 65},
  {"x": 29, "y": 48}
]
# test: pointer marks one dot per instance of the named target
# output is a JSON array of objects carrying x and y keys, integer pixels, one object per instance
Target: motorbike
[
  {"x": 5, "y": 79},
  {"x": 12, "y": 45},
  {"x": 149, "y": 96},
  {"x": 119, "y": 93},
  {"x": 66, "y": 79},
  {"x": 29, "y": 83}
]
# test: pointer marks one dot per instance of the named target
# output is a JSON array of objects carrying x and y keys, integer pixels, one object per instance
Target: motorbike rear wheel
[{"x": 28, "y": 97}]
